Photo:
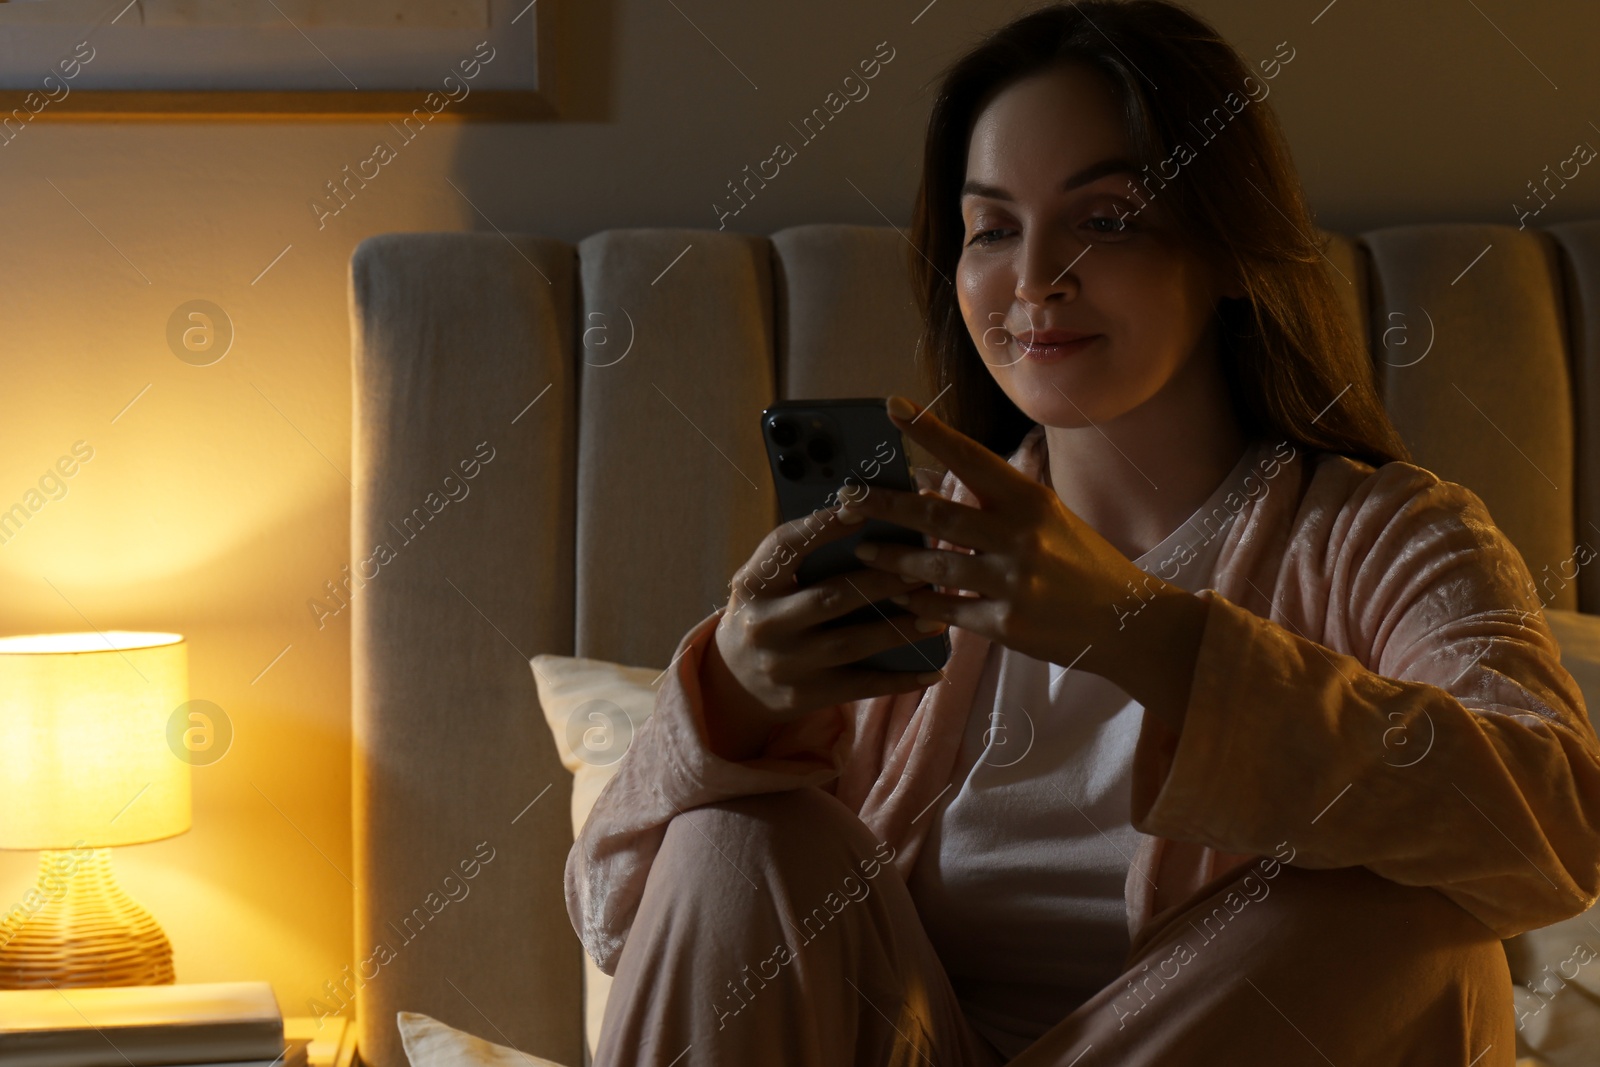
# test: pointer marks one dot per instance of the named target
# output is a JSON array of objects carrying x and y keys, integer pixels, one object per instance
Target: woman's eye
[
  {"x": 1114, "y": 225},
  {"x": 1119, "y": 225}
]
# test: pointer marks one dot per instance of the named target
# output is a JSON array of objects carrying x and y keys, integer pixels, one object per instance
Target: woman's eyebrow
[{"x": 1093, "y": 172}]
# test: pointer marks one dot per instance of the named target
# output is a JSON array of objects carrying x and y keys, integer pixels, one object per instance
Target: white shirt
[{"x": 1019, "y": 883}]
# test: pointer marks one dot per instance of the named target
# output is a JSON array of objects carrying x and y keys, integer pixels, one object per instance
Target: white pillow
[
  {"x": 430, "y": 1043},
  {"x": 593, "y": 709},
  {"x": 1562, "y": 1026},
  {"x": 1578, "y": 634}
]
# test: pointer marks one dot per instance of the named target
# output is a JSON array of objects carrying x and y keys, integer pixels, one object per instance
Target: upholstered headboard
[{"x": 556, "y": 450}]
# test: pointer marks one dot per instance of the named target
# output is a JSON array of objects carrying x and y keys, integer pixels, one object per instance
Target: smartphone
[{"x": 817, "y": 448}]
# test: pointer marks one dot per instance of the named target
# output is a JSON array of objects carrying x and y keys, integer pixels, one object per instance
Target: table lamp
[{"x": 85, "y": 765}]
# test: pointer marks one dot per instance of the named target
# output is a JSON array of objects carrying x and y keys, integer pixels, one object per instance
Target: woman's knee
[
  {"x": 1370, "y": 914},
  {"x": 797, "y": 837},
  {"x": 1405, "y": 955},
  {"x": 1341, "y": 960},
  {"x": 1408, "y": 950},
  {"x": 774, "y": 869}
]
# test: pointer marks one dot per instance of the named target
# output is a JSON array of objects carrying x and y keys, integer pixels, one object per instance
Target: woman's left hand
[{"x": 1038, "y": 578}]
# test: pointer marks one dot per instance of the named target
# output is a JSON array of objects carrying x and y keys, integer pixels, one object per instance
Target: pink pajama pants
[{"x": 770, "y": 932}]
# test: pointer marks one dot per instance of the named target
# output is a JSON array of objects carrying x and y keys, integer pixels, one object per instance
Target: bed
[{"x": 556, "y": 452}]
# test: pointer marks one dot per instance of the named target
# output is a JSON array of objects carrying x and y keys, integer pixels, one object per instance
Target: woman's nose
[{"x": 1049, "y": 269}]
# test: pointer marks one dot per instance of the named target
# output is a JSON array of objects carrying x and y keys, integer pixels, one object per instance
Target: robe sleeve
[
  {"x": 668, "y": 769},
  {"x": 1448, "y": 748}
]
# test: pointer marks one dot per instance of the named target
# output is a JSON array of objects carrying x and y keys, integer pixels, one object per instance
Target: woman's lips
[{"x": 1047, "y": 353}]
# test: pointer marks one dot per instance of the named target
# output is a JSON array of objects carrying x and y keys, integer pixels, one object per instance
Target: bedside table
[{"x": 333, "y": 1045}]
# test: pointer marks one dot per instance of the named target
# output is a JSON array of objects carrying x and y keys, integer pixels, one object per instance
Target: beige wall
[{"x": 218, "y": 504}]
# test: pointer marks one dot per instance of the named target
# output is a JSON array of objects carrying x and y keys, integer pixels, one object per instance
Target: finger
[
  {"x": 935, "y": 566},
  {"x": 927, "y": 479},
  {"x": 988, "y": 475},
  {"x": 984, "y": 616},
  {"x": 977, "y": 614},
  {"x": 931, "y": 514},
  {"x": 844, "y": 593},
  {"x": 846, "y": 684},
  {"x": 840, "y": 648},
  {"x": 771, "y": 570}
]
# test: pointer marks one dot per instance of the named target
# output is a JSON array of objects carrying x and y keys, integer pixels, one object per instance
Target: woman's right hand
[{"x": 772, "y": 660}]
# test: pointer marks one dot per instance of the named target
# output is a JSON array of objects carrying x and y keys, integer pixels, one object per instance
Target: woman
[{"x": 1253, "y": 741}]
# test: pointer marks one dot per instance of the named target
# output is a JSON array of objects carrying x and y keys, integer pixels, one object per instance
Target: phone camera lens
[
  {"x": 792, "y": 466},
  {"x": 784, "y": 432},
  {"x": 820, "y": 449}
]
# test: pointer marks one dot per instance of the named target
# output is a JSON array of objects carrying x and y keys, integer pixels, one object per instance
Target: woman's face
[{"x": 1056, "y": 242}]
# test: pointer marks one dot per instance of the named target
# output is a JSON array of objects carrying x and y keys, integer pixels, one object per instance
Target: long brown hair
[{"x": 1296, "y": 368}]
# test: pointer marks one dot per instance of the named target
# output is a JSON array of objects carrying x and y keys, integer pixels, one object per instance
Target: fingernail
[
  {"x": 902, "y": 600},
  {"x": 850, "y": 517},
  {"x": 901, "y": 408},
  {"x": 866, "y": 550},
  {"x": 928, "y": 677},
  {"x": 930, "y": 626}
]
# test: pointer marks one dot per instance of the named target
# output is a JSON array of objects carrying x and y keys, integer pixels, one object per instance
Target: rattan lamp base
[{"x": 79, "y": 928}]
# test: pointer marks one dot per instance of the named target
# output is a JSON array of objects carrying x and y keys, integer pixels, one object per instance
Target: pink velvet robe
[{"x": 1376, "y": 685}]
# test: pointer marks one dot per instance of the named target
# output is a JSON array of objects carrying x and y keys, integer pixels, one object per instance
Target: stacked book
[
  {"x": 224, "y": 1024},
  {"x": 330, "y": 1040}
]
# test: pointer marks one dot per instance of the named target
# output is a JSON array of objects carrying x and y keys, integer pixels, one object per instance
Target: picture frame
[{"x": 275, "y": 60}]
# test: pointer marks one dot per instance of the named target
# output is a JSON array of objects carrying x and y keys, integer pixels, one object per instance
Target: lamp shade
[{"x": 84, "y": 756}]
